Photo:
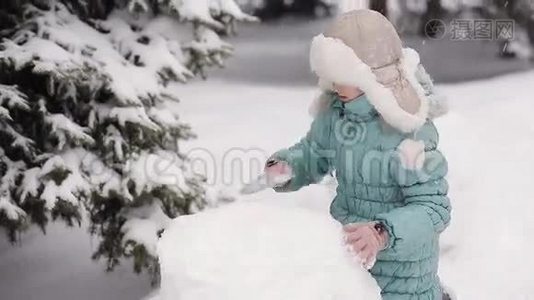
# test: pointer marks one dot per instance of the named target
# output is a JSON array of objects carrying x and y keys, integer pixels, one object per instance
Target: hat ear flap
[
  {"x": 414, "y": 100},
  {"x": 407, "y": 98}
]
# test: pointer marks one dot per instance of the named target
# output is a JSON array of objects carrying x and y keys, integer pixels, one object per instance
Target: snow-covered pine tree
[{"x": 84, "y": 122}]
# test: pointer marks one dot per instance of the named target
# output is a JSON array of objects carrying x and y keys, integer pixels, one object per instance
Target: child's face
[{"x": 346, "y": 93}]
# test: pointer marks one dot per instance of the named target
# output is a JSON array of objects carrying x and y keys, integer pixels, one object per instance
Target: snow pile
[{"x": 258, "y": 250}]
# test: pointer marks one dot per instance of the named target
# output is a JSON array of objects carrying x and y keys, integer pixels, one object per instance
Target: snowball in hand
[{"x": 254, "y": 250}]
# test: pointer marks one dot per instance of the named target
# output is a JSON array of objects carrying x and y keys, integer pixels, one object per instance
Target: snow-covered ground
[{"x": 487, "y": 138}]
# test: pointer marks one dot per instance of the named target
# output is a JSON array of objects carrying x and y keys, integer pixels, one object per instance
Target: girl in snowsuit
[{"x": 373, "y": 128}]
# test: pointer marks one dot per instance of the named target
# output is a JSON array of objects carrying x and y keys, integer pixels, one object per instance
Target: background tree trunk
[
  {"x": 530, "y": 31},
  {"x": 272, "y": 9},
  {"x": 380, "y": 6},
  {"x": 434, "y": 11}
]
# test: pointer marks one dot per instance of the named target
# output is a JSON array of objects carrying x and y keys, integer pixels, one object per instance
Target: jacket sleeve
[
  {"x": 426, "y": 211},
  {"x": 310, "y": 158}
]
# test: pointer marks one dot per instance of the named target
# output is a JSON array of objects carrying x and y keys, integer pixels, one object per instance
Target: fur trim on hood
[
  {"x": 437, "y": 104},
  {"x": 333, "y": 61}
]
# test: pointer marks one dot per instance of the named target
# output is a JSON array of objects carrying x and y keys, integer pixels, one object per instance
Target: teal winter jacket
[{"x": 376, "y": 184}]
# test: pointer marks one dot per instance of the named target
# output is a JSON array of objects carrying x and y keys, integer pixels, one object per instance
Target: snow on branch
[
  {"x": 70, "y": 176},
  {"x": 203, "y": 10},
  {"x": 151, "y": 170},
  {"x": 10, "y": 209},
  {"x": 134, "y": 63},
  {"x": 164, "y": 117},
  {"x": 114, "y": 140},
  {"x": 12, "y": 97},
  {"x": 143, "y": 225},
  {"x": 8, "y": 183},
  {"x": 19, "y": 141},
  {"x": 63, "y": 126},
  {"x": 196, "y": 11},
  {"x": 231, "y": 9},
  {"x": 129, "y": 114}
]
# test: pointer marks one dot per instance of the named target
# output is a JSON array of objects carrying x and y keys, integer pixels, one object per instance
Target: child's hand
[
  {"x": 278, "y": 172},
  {"x": 365, "y": 240}
]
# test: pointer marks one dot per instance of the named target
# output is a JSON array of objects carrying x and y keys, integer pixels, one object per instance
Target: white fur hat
[{"x": 362, "y": 48}]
